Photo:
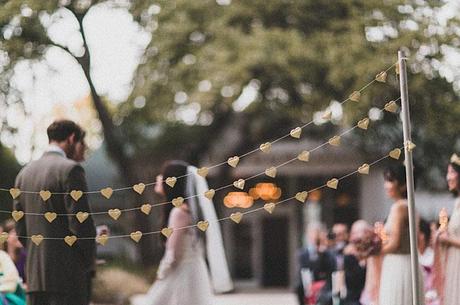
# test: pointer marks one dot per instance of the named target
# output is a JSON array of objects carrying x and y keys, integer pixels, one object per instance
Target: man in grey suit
[{"x": 57, "y": 274}]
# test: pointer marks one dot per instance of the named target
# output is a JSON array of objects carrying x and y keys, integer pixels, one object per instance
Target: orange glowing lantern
[
  {"x": 265, "y": 191},
  {"x": 238, "y": 200}
]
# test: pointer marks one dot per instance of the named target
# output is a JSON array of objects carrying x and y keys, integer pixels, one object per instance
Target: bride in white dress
[{"x": 182, "y": 276}]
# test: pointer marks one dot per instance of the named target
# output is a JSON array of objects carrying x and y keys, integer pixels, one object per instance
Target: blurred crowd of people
[{"x": 370, "y": 264}]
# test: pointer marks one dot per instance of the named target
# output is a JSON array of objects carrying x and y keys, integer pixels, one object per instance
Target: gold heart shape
[
  {"x": 76, "y": 195},
  {"x": 107, "y": 192},
  {"x": 391, "y": 106},
  {"x": 37, "y": 239},
  {"x": 114, "y": 213},
  {"x": 410, "y": 146},
  {"x": 50, "y": 216},
  {"x": 327, "y": 115},
  {"x": 102, "y": 239},
  {"x": 334, "y": 141},
  {"x": 203, "y": 225},
  {"x": 236, "y": 217},
  {"x": 139, "y": 188},
  {"x": 233, "y": 161},
  {"x": 203, "y": 172},
  {"x": 296, "y": 133},
  {"x": 70, "y": 240},
  {"x": 82, "y": 216},
  {"x": 136, "y": 236},
  {"x": 364, "y": 169},
  {"x": 301, "y": 196},
  {"x": 355, "y": 96},
  {"x": 45, "y": 195},
  {"x": 239, "y": 184},
  {"x": 15, "y": 192},
  {"x": 271, "y": 172},
  {"x": 167, "y": 232},
  {"x": 3, "y": 237},
  {"x": 363, "y": 124},
  {"x": 266, "y": 147},
  {"x": 381, "y": 77},
  {"x": 333, "y": 183},
  {"x": 304, "y": 156},
  {"x": 210, "y": 194},
  {"x": 269, "y": 207},
  {"x": 395, "y": 153},
  {"x": 146, "y": 208},
  {"x": 171, "y": 181},
  {"x": 17, "y": 215},
  {"x": 177, "y": 202}
]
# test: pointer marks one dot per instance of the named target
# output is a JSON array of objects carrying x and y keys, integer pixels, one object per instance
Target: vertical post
[{"x": 416, "y": 293}]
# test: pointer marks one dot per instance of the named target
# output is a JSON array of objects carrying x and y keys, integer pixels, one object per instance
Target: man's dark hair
[{"x": 60, "y": 130}]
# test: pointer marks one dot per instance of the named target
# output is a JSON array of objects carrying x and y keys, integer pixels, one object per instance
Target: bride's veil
[{"x": 203, "y": 209}]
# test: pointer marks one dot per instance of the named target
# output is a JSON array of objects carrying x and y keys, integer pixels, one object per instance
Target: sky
[{"x": 58, "y": 88}]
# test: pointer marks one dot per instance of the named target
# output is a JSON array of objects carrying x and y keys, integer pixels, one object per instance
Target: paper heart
[
  {"x": 304, "y": 156},
  {"x": 50, "y": 216},
  {"x": 82, "y": 216},
  {"x": 70, "y": 240},
  {"x": 327, "y": 115},
  {"x": 233, "y": 161},
  {"x": 45, "y": 195},
  {"x": 271, "y": 172},
  {"x": 146, "y": 208},
  {"x": 107, "y": 192},
  {"x": 391, "y": 106},
  {"x": 239, "y": 184},
  {"x": 266, "y": 147},
  {"x": 236, "y": 217},
  {"x": 364, "y": 169},
  {"x": 17, "y": 215},
  {"x": 37, "y": 239},
  {"x": 167, "y": 232},
  {"x": 381, "y": 77},
  {"x": 296, "y": 132},
  {"x": 136, "y": 236},
  {"x": 114, "y": 213},
  {"x": 355, "y": 96},
  {"x": 395, "y": 153},
  {"x": 210, "y": 194},
  {"x": 139, "y": 188},
  {"x": 3, "y": 237},
  {"x": 203, "y": 172},
  {"x": 334, "y": 141},
  {"x": 301, "y": 196},
  {"x": 333, "y": 183},
  {"x": 269, "y": 207},
  {"x": 15, "y": 192},
  {"x": 102, "y": 239},
  {"x": 171, "y": 181},
  {"x": 363, "y": 124},
  {"x": 177, "y": 202},
  {"x": 76, "y": 195},
  {"x": 410, "y": 146},
  {"x": 203, "y": 225}
]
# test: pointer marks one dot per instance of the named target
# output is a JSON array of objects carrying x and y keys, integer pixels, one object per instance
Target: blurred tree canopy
[
  {"x": 257, "y": 68},
  {"x": 10, "y": 168}
]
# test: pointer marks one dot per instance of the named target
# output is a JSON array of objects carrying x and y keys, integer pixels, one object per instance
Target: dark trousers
[{"x": 56, "y": 298}]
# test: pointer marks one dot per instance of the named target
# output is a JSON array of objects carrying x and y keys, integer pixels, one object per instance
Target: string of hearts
[
  {"x": 232, "y": 161},
  {"x": 303, "y": 156},
  {"x": 204, "y": 224}
]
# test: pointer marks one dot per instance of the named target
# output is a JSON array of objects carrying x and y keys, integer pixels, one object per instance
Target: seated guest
[
  {"x": 11, "y": 292},
  {"x": 15, "y": 249}
]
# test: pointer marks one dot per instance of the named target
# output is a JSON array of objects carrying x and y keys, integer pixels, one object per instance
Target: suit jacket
[{"x": 53, "y": 266}]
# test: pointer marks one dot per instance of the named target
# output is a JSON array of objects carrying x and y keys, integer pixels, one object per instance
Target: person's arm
[
  {"x": 10, "y": 278},
  {"x": 448, "y": 240},
  {"x": 398, "y": 214},
  {"x": 77, "y": 181},
  {"x": 179, "y": 218}
]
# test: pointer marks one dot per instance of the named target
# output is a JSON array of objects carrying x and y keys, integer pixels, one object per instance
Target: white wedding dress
[
  {"x": 183, "y": 277},
  {"x": 183, "y": 272}
]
